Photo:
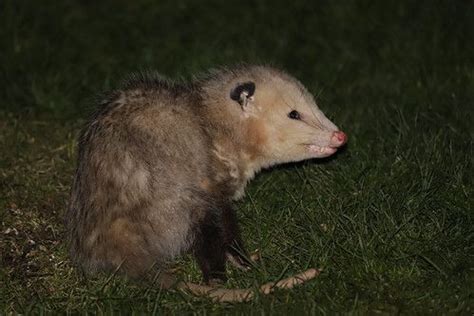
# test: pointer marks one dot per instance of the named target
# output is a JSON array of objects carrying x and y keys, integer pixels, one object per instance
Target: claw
[
  {"x": 238, "y": 263},
  {"x": 255, "y": 255}
]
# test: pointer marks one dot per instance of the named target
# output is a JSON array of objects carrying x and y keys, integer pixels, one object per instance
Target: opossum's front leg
[
  {"x": 235, "y": 250},
  {"x": 210, "y": 250},
  {"x": 219, "y": 240}
]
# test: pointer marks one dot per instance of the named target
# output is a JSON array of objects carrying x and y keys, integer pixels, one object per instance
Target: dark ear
[{"x": 242, "y": 92}]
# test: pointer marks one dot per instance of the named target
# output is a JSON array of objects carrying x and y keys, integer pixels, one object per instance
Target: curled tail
[{"x": 244, "y": 295}]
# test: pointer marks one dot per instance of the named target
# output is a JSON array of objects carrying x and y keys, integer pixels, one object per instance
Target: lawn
[{"x": 389, "y": 219}]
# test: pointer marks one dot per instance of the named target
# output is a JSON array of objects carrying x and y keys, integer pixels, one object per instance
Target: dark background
[{"x": 390, "y": 218}]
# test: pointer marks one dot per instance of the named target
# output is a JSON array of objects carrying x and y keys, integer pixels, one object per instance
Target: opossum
[{"x": 161, "y": 161}]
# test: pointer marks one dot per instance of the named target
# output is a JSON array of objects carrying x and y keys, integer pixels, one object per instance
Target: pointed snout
[{"x": 338, "y": 139}]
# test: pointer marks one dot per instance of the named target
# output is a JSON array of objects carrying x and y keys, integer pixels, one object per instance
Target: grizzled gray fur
[{"x": 160, "y": 163}]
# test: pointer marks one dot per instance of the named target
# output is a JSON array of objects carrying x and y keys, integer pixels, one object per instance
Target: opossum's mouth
[
  {"x": 321, "y": 151},
  {"x": 337, "y": 140}
]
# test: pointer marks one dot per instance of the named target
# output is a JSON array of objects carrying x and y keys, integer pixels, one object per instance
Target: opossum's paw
[
  {"x": 255, "y": 255},
  {"x": 239, "y": 262},
  {"x": 242, "y": 262}
]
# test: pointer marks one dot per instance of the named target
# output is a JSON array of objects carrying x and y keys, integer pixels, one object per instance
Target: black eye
[{"x": 294, "y": 115}]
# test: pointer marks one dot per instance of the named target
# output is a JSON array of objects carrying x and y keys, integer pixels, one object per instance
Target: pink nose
[{"x": 339, "y": 138}]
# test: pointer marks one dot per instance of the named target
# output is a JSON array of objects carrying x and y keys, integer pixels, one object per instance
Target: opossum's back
[
  {"x": 143, "y": 167},
  {"x": 166, "y": 138}
]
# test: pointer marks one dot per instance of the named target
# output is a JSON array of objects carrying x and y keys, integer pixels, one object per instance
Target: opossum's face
[{"x": 286, "y": 122}]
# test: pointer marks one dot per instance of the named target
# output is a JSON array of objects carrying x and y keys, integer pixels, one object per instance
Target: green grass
[{"x": 390, "y": 218}]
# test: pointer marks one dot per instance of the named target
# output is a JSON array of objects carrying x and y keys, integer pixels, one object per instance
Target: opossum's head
[{"x": 282, "y": 119}]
